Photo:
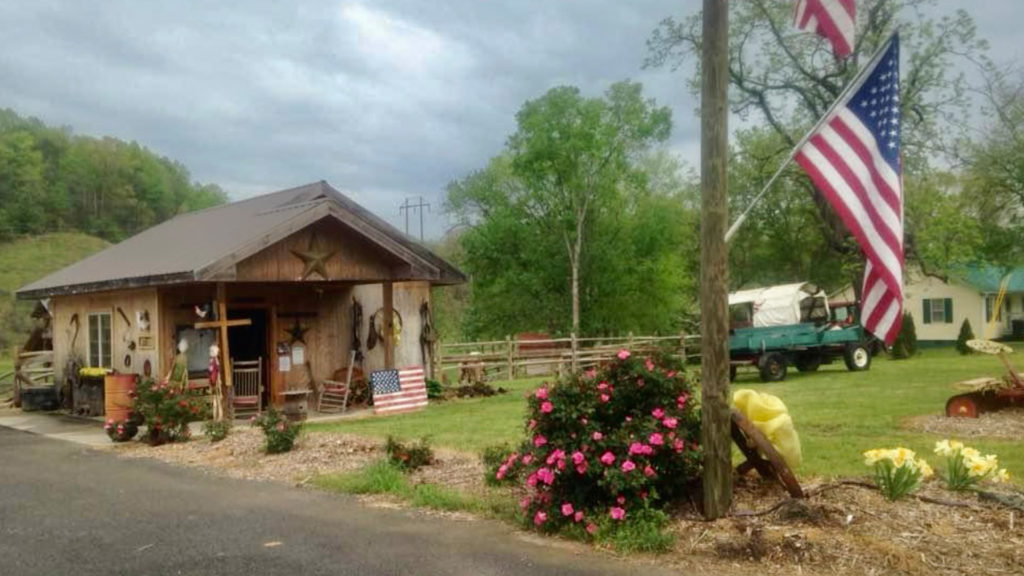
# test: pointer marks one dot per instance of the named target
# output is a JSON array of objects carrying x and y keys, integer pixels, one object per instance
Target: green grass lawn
[{"x": 838, "y": 414}]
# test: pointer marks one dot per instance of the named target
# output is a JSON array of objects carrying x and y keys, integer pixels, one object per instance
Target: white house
[{"x": 939, "y": 307}]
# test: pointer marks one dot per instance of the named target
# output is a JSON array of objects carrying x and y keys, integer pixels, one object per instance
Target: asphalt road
[{"x": 68, "y": 509}]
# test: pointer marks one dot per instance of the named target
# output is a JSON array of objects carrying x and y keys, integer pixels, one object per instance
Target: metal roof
[
  {"x": 198, "y": 245},
  {"x": 987, "y": 278}
]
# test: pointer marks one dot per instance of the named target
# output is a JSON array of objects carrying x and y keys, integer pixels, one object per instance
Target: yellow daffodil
[
  {"x": 947, "y": 447},
  {"x": 1001, "y": 477}
]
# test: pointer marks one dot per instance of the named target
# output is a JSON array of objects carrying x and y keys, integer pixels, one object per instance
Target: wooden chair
[
  {"x": 334, "y": 394},
  {"x": 247, "y": 376}
]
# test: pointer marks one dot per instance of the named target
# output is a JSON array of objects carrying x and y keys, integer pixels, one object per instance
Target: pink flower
[
  {"x": 640, "y": 382},
  {"x": 540, "y": 517},
  {"x": 607, "y": 458},
  {"x": 648, "y": 364},
  {"x": 584, "y": 421},
  {"x": 539, "y": 440},
  {"x": 628, "y": 466},
  {"x": 502, "y": 471},
  {"x": 532, "y": 424},
  {"x": 621, "y": 499},
  {"x": 658, "y": 413},
  {"x": 681, "y": 401},
  {"x": 591, "y": 528},
  {"x": 547, "y": 407},
  {"x": 649, "y": 472},
  {"x": 541, "y": 393},
  {"x": 524, "y": 503},
  {"x": 678, "y": 445},
  {"x": 560, "y": 464},
  {"x": 578, "y": 457},
  {"x": 602, "y": 386},
  {"x": 531, "y": 480},
  {"x": 629, "y": 418},
  {"x": 597, "y": 436},
  {"x": 546, "y": 475},
  {"x": 280, "y": 426},
  {"x": 656, "y": 439},
  {"x": 578, "y": 516},
  {"x": 636, "y": 448},
  {"x": 670, "y": 422},
  {"x": 623, "y": 354},
  {"x": 590, "y": 374},
  {"x": 527, "y": 458},
  {"x": 617, "y": 513},
  {"x": 582, "y": 467},
  {"x": 567, "y": 509},
  {"x": 605, "y": 398},
  {"x": 671, "y": 374},
  {"x": 555, "y": 456}
]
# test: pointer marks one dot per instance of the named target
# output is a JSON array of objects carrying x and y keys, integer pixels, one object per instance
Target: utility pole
[
  {"x": 716, "y": 418},
  {"x": 406, "y": 207}
]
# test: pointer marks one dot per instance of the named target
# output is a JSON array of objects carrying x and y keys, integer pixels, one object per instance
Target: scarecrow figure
[
  {"x": 215, "y": 386},
  {"x": 179, "y": 369}
]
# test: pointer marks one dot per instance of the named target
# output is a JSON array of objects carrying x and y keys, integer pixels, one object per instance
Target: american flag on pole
[
  {"x": 395, "y": 391},
  {"x": 835, "y": 20},
  {"x": 853, "y": 157}
]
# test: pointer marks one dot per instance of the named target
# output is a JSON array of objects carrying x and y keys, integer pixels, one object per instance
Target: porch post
[
  {"x": 225, "y": 349},
  {"x": 389, "y": 326}
]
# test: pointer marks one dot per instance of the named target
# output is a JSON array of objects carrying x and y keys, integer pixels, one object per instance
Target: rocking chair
[
  {"x": 247, "y": 376},
  {"x": 334, "y": 395}
]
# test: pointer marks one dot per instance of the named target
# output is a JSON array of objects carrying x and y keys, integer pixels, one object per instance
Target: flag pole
[{"x": 852, "y": 87}]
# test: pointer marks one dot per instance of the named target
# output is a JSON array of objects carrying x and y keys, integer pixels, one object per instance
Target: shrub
[
  {"x": 411, "y": 457},
  {"x": 905, "y": 344},
  {"x": 966, "y": 467},
  {"x": 644, "y": 531},
  {"x": 217, "y": 430},
  {"x": 496, "y": 457},
  {"x": 434, "y": 390},
  {"x": 166, "y": 410},
  {"x": 966, "y": 333},
  {"x": 279, "y": 432},
  {"x": 121, "y": 431},
  {"x": 898, "y": 471},
  {"x": 606, "y": 444}
]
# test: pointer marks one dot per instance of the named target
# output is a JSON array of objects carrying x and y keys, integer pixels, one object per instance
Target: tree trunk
[
  {"x": 575, "y": 263},
  {"x": 715, "y": 413}
]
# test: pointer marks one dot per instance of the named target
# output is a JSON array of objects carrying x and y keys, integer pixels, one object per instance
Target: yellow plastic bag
[{"x": 771, "y": 417}]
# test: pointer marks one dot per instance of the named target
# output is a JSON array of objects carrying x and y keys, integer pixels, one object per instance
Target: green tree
[
  {"x": 785, "y": 79},
  {"x": 966, "y": 333},
  {"x": 905, "y": 345},
  {"x": 572, "y": 153}
]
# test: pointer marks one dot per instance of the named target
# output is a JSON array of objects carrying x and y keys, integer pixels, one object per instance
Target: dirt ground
[
  {"x": 839, "y": 529},
  {"x": 1006, "y": 424}
]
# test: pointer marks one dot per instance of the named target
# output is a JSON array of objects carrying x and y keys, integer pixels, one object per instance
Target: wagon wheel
[
  {"x": 753, "y": 444},
  {"x": 964, "y": 406}
]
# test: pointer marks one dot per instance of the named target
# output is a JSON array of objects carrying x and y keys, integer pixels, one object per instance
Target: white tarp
[{"x": 781, "y": 305}]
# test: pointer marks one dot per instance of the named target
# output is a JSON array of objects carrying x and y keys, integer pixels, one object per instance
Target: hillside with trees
[
  {"x": 64, "y": 196},
  {"x": 52, "y": 180}
]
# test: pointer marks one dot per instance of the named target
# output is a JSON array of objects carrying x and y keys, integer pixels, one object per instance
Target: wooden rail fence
[
  {"x": 31, "y": 370},
  {"x": 516, "y": 358}
]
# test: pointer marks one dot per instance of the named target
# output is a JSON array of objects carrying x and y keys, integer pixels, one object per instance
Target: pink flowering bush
[
  {"x": 121, "y": 430},
  {"x": 278, "y": 431},
  {"x": 606, "y": 446},
  {"x": 166, "y": 410}
]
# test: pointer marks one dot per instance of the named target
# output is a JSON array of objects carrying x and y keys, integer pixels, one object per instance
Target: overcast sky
[{"x": 384, "y": 99}]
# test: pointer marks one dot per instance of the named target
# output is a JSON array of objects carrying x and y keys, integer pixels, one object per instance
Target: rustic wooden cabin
[{"x": 273, "y": 279}]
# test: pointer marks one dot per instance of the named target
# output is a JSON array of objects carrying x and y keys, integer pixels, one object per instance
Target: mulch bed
[
  {"x": 1007, "y": 423},
  {"x": 840, "y": 529}
]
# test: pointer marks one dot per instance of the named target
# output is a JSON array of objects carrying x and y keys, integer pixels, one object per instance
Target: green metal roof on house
[{"x": 986, "y": 278}]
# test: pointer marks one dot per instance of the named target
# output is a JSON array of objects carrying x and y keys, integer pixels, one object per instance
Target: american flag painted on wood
[{"x": 396, "y": 391}]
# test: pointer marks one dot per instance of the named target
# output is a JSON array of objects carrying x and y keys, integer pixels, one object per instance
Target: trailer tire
[
  {"x": 857, "y": 357},
  {"x": 808, "y": 362},
  {"x": 773, "y": 367},
  {"x": 732, "y": 372}
]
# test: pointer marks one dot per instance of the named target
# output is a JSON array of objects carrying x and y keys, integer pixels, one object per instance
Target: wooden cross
[{"x": 222, "y": 323}]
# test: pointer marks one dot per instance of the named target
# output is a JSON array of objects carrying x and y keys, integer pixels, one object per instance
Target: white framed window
[
  {"x": 938, "y": 310},
  {"x": 99, "y": 340}
]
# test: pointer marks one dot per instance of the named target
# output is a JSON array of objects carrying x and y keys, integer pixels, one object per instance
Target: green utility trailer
[
  {"x": 807, "y": 346},
  {"x": 775, "y": 327}
]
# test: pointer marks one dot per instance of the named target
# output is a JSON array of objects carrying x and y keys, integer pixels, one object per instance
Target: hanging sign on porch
[{"x": 284, "y": 357}]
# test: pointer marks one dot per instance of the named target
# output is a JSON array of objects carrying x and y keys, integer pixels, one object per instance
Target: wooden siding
[
  {"x": 354, "y": 258},
  {"x": 131, "y": 302},
  {"x": 408, "y": 298}
]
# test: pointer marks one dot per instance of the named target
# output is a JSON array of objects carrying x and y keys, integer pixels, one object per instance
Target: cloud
[{"x": 384, "y": 99}]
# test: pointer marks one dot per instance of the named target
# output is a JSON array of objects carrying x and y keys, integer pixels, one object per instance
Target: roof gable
[{"x": 207, "y": 244}]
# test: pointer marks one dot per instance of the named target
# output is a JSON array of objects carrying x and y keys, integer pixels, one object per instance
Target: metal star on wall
[
  {"x": 315, "y": 259},
  {"x": 297, "y": 332}
]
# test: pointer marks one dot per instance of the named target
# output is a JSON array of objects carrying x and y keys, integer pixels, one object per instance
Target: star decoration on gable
[
  {"x": 297, "y": 332},
  {"x": 314, "y": 258}
]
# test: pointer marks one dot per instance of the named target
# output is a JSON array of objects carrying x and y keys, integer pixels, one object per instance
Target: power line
[{"x": 407, "y": 207}]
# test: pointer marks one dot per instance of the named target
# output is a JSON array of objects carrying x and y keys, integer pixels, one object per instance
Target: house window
[
  {"x": 99, "y": 341},
  {"x": 938, "y": 311},
  {"x": 990, "y": 303}
]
